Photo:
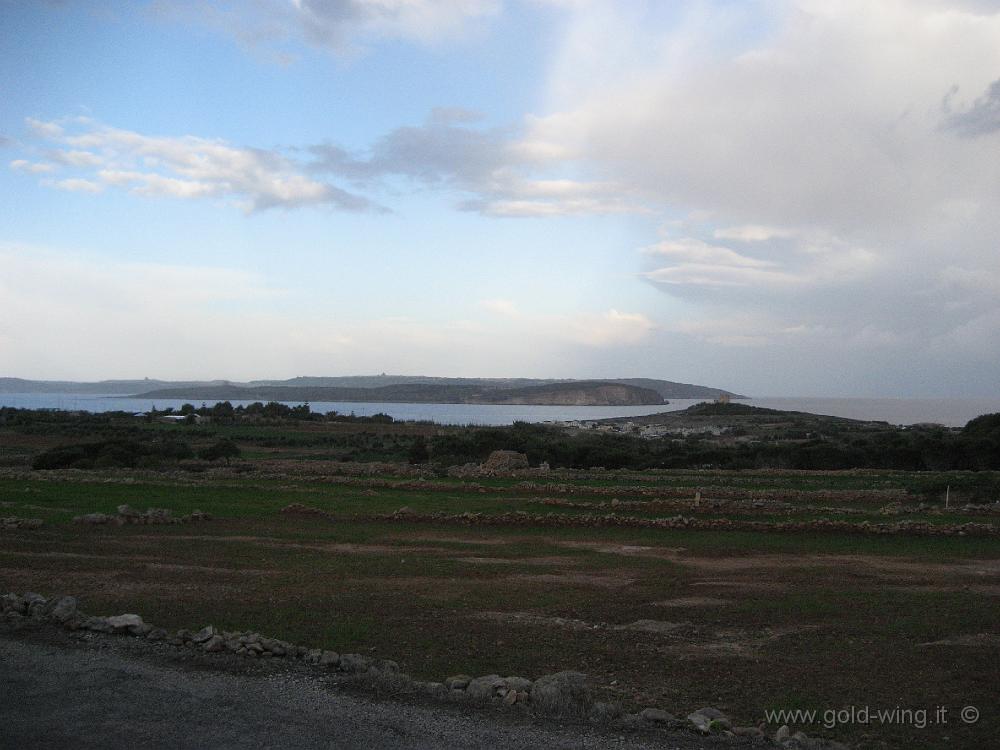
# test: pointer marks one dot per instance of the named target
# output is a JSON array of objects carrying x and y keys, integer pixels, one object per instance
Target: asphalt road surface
[{"x": 57, "y": 691}]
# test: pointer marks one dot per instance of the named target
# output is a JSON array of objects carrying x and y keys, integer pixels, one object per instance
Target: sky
[{"x": 776, "y": 197}]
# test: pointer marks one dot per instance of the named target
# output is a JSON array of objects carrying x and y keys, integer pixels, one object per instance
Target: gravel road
[{"x": 58, "y": 691}]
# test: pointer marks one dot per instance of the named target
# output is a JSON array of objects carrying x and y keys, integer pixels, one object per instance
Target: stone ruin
[
  {"x": 499, "y": 463},
  {"x": 505, "y": 461}
]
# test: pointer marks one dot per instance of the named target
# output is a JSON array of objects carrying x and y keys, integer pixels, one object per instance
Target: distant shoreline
[{"x": 953, "y": 412}]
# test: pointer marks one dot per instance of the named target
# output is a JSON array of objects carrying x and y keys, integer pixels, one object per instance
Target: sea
[{"x": 951, "y": 412}]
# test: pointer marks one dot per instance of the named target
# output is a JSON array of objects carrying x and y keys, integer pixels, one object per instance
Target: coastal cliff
[{"x": 576, "y": 393}]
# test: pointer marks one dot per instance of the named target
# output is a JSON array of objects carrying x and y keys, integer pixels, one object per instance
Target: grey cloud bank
[{"x": 981, "y": 118}]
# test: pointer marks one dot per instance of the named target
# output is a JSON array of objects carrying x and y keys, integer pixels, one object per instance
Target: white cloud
[
  {"x": 76, "y": 158},
  {"x": 751, "y": 233},
  {"x": 340, "y": 26},
  {"x": 692, "y": 250},
  {"x": 549, "y": 208},
  {"x": 710, "y": 275},
  {"x": 500, "y": 307},
  {"x": 184, "y": 167},
  {"x": 327, "y": 23},
  {"x": 44, "y": 129},
  {"x": 23, "y": 165},
  {"x": 76, "y": 185},
  {"x": 612, "y": 328}
]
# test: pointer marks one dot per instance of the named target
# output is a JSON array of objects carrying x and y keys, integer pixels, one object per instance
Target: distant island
[{"x": 392, "y": 389}]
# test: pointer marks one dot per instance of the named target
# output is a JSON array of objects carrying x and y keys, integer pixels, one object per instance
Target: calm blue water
[{"x": 952, "y": 412}]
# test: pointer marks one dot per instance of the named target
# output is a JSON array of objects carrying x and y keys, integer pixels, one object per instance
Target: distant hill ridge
[
  {"x": 584, "y": 393},
  {"x": 390, "y": 388}
]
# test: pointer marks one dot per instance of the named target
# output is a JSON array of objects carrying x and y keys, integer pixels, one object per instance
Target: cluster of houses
[
  {"x": 175, "y": 418},
  {"x": 636, "y": 429}
]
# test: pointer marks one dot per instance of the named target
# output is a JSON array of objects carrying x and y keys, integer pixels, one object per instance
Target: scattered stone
[
  {"x": 709, "y": 720},
  {"x": 433, "y": 689},
  {"x": 656, "y": 716},
  {"x": 458, "y": 682},
  {"x": 98, "y": 625},
  {"x": 518, "y": 683},
  {"x": 12, "y": 603},
  {"x": 274, "y": 647},
  {"x": 485, "y": 688},
  {"x": 203, "y": 635},
  {"x": 128, "y": 623},
  {"x": 630, "y": 722},
  {"x": 157, "y": 634},
  {"x": 354, "y": 663},
  {"x": 312, "y": 656},
  {"x": 782, "y": 734},
  {"x": 64, "y": 609},
  {"x": 10, "y": 523},
  {"x": 329, "y": 659},
  {"x": 214, "y": 644},
  {"x": 563, "y": 693},
  {"x": 126, "y": 514},
  {"x": 605, "y": 713}
]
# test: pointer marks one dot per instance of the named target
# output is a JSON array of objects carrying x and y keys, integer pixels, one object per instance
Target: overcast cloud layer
[{"x": 812, "y": 189}]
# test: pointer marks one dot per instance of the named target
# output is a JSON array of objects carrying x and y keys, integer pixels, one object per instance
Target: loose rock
[
  {"x": 354, "y": 663},
  {"x": 561, "y": 694},
  {"x": 485, "y": 688},
  {"x": 122, "y": 623},
  {"x": 214, "y": 644},
  {"x": 656, "y": 716},
  {"x": 458, "y": 682},
  {"x": 64, "y": 609},
  {"x": 709, "y": 720},
  {"x": 204, "y": 634},
  {"x": 329, "y": 659}
]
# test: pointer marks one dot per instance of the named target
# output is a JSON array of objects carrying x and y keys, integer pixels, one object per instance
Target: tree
[
  {"x": 224, "y": 448},
  {"x": 418, "y": 451},
  {"x": 223, "y": 410}
]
